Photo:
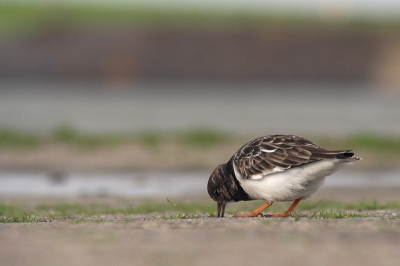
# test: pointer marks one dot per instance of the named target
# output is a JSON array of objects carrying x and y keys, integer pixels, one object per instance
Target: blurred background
[{"x": 137, "y": 86}]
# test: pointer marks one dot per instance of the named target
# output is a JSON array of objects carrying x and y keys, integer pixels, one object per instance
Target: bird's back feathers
[{"x": 276, "y": 153}]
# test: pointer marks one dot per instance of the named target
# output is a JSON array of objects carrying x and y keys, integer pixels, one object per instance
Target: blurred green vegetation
[
  {"x": 32, "y": 18},
  {"x": 13, "y": 139},
  {"x": 68, "y": 135},
  {"x": 199, "y": 138},
  {"x": 204, "y": 137},
  {"x": 200, "y": 148},
  {"x": 20, "y": 213}
]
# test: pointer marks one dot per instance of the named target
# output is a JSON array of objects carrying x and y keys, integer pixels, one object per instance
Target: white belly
[{"x": 291, "y": 184}]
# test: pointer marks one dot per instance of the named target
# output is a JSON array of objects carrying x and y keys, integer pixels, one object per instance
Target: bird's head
[{"x": 217, "y": 189}]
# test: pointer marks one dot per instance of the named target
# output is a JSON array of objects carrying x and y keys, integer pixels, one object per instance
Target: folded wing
[{"x": 276, "y": 153}]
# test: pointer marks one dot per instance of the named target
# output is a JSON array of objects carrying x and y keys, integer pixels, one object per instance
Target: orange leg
[
  {"x": 286, "y": 213},
  {"x": 256, "y": 212}
]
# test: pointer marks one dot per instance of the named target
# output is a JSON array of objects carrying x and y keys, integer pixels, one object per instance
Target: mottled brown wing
[{"x": 269, "y": 154}]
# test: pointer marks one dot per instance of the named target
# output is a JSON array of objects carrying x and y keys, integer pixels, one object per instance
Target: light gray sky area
[{"x": 326, "y": 8}]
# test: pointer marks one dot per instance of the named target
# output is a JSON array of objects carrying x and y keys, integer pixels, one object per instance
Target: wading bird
[{"x": 274, "y": 168}]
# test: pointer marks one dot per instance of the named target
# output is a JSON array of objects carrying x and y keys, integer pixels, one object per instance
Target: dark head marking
[{"x": 223, "y": 187}]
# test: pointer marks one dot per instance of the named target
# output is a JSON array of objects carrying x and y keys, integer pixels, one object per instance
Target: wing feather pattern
[{"x": 269, "y": 154}]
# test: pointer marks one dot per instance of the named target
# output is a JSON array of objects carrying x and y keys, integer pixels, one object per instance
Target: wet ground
[{"x": 152, "y": 184}]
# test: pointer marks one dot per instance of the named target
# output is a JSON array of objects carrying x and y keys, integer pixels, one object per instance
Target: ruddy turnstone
[{"x": 274, "y": 168}]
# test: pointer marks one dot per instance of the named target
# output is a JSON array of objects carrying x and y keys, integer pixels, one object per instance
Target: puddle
[{"x": 150, "y": 184}]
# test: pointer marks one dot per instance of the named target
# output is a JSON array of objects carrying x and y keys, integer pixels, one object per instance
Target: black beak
[{"x": 221, "y": 208}]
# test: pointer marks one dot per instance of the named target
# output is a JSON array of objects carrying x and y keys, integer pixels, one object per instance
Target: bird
[{"x": 274, "y": 168}]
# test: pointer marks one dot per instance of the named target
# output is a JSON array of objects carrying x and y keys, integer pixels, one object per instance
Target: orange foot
[
  {"x": 277, "y": 215},
  {"x": 286, "y": 213},
  {"x": 256, "y": 212},
  {"x": 248, "y": 215}
]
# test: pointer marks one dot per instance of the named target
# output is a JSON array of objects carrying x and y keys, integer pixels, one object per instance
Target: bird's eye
[{"x": 216, "y": 192}]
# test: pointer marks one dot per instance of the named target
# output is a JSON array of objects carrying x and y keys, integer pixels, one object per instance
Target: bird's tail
[{"x": 347, "y": 156}]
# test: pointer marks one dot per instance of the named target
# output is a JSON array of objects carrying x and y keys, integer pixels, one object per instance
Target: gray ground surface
[{"x": 150, "y": 240}]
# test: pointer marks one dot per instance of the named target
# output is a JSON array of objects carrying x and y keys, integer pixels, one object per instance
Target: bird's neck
[{"x": 233, "y": 185}]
